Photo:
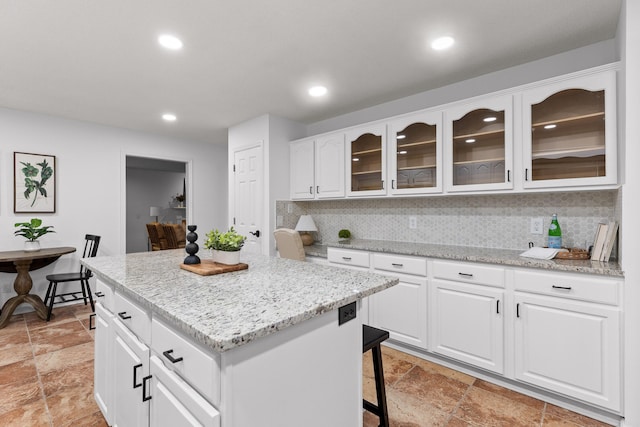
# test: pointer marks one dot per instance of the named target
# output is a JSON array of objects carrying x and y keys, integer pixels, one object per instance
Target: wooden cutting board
[{"x": 209, "y": 268}]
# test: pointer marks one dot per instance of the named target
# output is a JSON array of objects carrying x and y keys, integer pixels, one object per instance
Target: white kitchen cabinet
[
  {"x": 569, "y": 130},
  {"x": 478, "y": 145},
  {"x": 366, "y": 160},
  {"x": 466, "y": 313},
  {"x": 567, "y": 336},
  {"x": 352, "y": 260},
  {"x": 103, "y": 374},
  {"x": 415, "y": 154},
  {"x": 318, "y": 167}
]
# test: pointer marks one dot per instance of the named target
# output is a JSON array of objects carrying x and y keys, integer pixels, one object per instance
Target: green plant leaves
[
  {"x": 32, "y": 186},
  {"x": 31, "y": 230},
  {"x": 230, "y": 241}
]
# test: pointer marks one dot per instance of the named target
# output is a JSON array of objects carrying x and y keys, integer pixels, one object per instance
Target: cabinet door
[
  {"x": 131, "y": 367},
  {"x": 415, "y": 154},
  {"x": 330, "y": 166},
  {"x": 467, "y": 324},
  {"x": 402, "y": 310},
  {"x": 570, "y": 133},
  {"x": 175, "y": 403},
  {"x": 104, "y": 363},
  {"x": 302, "y": 169},
  {"x": 569, "y": 347},
  {"x": 479, "y": 145},
  {"x": 366, "y": 165}
]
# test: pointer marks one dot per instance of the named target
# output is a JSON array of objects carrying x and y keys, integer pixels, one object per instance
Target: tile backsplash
[{"x": 493, "y": 221}]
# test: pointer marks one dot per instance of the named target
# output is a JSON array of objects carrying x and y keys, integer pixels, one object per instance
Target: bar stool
[{"x": 371, "y": 340}]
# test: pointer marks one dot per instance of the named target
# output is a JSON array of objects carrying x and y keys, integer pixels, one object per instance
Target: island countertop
[{"x": 228, "y": 310}]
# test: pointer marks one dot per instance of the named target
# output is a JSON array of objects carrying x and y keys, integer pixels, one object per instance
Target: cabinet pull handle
[
  {"x": 566, "y": 288},
  {"x": 518, "y": 310},
  {"x": 526, "y": 174},
  {"x": 498, "y": 307},
  {"x": 172, "y": 359},
  {"x": 393, "y": 184},
  {"x": 346, "y": 258},
  {"x": 397, "y": 264},
  {"x": 99, "y": 294},
  {"x": 135, "y": 375},
  {"x": 508, "y": 175},
  {"x": 123, "y": 315},
  {"x": 144, "y": 388},
  {"x": 92, "y": 325},
  {"x": 317, "y": 189},
  {"x": 311, "y": 189},
  {"x": 469, "y": 275}
]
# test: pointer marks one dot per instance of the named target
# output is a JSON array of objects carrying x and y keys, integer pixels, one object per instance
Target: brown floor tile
[
  {"x": 9, "y": 340},
  {"x": 55, "y": 330},
  {"x": 484, "y": 408},
  {"x": 32, "y": 414},
  {"x": 16, "y": 353},
  {"x": 457, "y": 422},
  {"x": 16, "y": 323},
  {"x": 74, "y": 376},
  {"x": 63, "y": 341},
  {"x": 510, "y": 394},
  {"x": 555, "y": 415},
  {"x": 16, "y": 394},
  {"x": 72, "y": 403},
  {"x": 440, "y": 391},
  {"x": 66, "y": 357},
  {"x": 447, "y": 372},
  {"x": 93, "y": 420},
  {"x": 392, "y": 366},
  {"x": 18, "y": 371},
  {"x": 59, "y": 315}
]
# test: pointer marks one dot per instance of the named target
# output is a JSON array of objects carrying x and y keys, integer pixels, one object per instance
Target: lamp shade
[
  {"x": 305, "y": 223},
  {"x": 154, "y": 211}
]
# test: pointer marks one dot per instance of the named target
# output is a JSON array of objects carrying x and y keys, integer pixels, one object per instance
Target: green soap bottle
[{"x": 555, "y": 234}]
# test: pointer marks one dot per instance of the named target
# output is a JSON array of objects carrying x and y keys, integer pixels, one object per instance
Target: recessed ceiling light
[
  {"x": 402, "y": 152},
  {"x": 318, "y": 91},
  {"x": 401, "y": 137},
  {"x": 442, "y": 43},
  {"x": 170, "y": 42},
  {"x": 470, "y": 141},
  {"x": 490, "y": 119},
  {"x": 168, "y": 117},
  {"x": 355, "y": 159},
  {"x": 551, "y": 126}
]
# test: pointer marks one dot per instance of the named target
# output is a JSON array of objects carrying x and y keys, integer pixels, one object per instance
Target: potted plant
[
  {"x": 32, "y": 230},
  {"x": 344, "y": 234},
  {"x": 225, "y": 247},
  {"x": 179, "y": 198}
]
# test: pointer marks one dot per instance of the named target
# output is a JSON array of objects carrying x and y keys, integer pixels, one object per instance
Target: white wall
[
  {"x": 90, "y": 183},
  {"x": 146, "y": 188}
]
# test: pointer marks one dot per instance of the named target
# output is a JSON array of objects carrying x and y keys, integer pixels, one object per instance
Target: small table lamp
[
  {"x": 154, "y": 211},
  {"x": 306, "y": 224}
]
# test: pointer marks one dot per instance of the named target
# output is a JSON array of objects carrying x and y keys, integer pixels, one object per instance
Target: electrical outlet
[
  {"x": 413, "y": 222},
  {"x": 279, "y": 221},
  {"x": 289, "y": 208},
  {"x": 536, "y": 225},
  {"x": 346, "y": 313}
]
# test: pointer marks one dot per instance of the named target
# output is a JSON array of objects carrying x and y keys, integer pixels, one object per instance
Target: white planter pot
[
  {"x": 229, "y": 258},
  {"x": 30, "y": 246}
]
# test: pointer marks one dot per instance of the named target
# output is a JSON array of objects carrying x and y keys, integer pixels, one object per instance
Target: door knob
[{"x": 257, "y": 233}]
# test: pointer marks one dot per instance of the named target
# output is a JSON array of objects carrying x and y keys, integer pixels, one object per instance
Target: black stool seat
[
  {"x": 68, "y": 277},
  {"x": 371, "y": 340}
]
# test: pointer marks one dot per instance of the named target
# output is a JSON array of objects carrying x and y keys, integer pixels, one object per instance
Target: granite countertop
[
  {"x": 228, "y": 310},
  {"x": 465, "y": 253}
]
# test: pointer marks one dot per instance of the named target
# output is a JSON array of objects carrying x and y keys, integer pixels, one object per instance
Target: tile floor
[
  {"x": 46, "y": 379},
  {"x": 421, "y": 393}
]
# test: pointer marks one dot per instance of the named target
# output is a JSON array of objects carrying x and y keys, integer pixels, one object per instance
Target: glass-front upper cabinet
[
  {"x": 415, "y": 154},
  {"x": 366, "y": 160},
  {"x": 480, "y": 145},
  {"x": 570, "y": 133}
]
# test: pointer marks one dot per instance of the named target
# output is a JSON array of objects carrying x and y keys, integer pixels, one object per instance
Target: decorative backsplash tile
[{"x": 493, "y": 221}]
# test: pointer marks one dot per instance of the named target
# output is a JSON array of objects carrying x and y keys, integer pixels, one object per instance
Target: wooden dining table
[{"x": 22, "y": 262}]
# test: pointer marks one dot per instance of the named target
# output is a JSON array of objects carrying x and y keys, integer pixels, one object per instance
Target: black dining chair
[{"x": 90, "y": 250}]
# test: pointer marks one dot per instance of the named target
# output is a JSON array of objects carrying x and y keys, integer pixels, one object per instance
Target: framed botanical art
[{"x": 34, "y": 183}]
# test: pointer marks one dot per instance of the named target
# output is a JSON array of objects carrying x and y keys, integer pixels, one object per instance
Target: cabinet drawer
[
  {"x": 470, "y": 273},
  {"x": 200, "y": 369},
  {"x": 348, "y": 257},
  {"x": 104, "y": 295},
  {"x": 593, "y": 288},
  {"x": 400, "y": 264},
  {"x": 134, "y": 317}
]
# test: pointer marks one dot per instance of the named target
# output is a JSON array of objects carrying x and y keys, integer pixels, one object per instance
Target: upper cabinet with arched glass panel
[
  {"x": 479, "y": 144},
  {"x": 570, "y": 133},
  {"x": 415, "y": 154},
  {"x": 366, "y": 160}
]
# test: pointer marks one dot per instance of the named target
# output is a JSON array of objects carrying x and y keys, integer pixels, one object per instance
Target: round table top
[{"x": 45, "y": 255}]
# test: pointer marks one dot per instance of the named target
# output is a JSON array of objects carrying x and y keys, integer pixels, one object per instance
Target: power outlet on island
[{"x": 536, "y": 225}]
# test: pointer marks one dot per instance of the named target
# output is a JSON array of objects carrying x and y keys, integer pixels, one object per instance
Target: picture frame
[{"x": 34, "y": 183}]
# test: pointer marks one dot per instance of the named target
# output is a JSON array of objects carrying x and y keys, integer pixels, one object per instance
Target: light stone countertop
[
  {"x": 228, "y": 310},
  {"x": 465, "y": 253}
]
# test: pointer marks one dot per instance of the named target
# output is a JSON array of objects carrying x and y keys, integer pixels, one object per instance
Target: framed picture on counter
[{"x": 34, "y": 183}]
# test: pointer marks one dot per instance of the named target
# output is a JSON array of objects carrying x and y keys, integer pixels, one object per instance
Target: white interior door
[{"x": 248, "y": 191}]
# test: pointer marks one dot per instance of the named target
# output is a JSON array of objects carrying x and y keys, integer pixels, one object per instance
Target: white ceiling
[{"x": 99, "y": 60}]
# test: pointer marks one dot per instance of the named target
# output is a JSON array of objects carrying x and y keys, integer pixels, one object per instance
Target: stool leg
[
  {"x": 380, "y": 390},
  {"x": 52, "y": 297},
  {"x": 93, "y": 308}
]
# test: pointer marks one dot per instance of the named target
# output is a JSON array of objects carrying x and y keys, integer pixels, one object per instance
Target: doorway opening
[{"x": 156, "y": 191}]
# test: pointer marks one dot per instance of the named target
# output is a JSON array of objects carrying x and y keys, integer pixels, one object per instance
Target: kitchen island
[{"x": 261, "y": 346}]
